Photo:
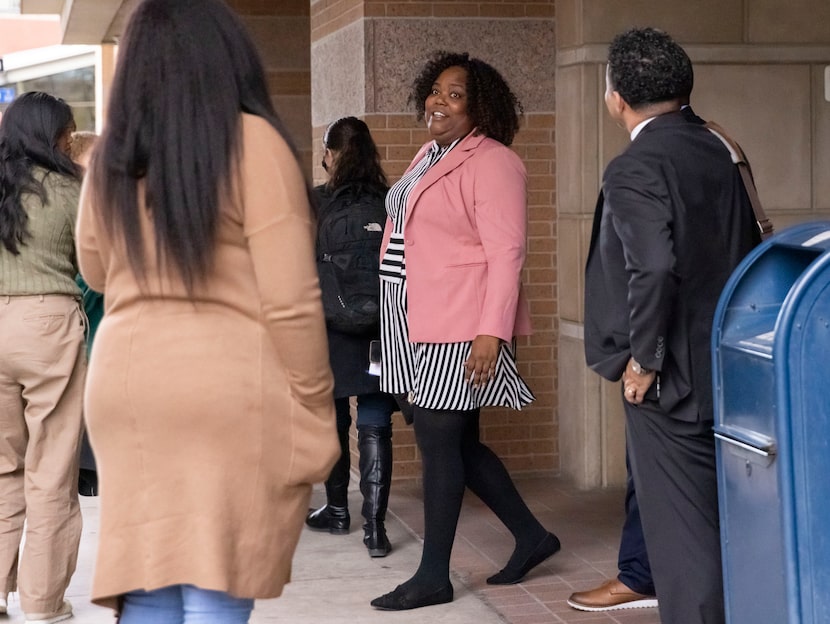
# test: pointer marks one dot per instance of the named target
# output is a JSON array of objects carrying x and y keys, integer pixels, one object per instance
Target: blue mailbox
[{"x": 771, "y": 367}]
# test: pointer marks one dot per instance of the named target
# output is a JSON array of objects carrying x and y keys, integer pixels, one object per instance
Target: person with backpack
[{"x": 350, "y": 218}]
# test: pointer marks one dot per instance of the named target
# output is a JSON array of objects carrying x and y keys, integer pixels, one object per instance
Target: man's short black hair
[{"x": 647, "y": 66}]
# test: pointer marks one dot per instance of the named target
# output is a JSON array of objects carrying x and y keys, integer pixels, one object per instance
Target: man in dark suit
[
  {"x": 633, "y": 587},
  {"x": 672, "y": 223}
]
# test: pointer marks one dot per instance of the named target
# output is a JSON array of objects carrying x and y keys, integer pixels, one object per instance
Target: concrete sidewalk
[{"x": 334, "y": 580}]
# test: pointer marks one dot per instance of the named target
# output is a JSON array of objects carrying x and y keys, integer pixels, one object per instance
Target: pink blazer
[{"x": 465, "y": 245}]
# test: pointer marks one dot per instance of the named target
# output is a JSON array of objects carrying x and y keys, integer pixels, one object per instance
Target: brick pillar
[
  {"x": 364, "y": 56},
  {"x": 280, "y": 28}
]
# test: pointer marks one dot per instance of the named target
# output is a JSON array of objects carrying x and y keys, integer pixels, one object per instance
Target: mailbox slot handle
[{"x": 766, "y": 450}]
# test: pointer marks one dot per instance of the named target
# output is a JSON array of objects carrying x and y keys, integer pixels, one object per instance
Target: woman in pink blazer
[{"x": 452, "y": 303}]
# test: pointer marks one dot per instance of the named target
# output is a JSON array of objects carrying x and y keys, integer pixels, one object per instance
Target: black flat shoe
[
  {"x": 514, "y": 573},
  {"x": 408, "y": 597}
]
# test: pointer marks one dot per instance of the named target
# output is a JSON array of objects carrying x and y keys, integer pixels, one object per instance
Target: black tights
[{"x": 454, "y": 457}]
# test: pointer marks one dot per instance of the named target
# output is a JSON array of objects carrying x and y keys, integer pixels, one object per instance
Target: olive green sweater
[{"x": 46, "y": 264}]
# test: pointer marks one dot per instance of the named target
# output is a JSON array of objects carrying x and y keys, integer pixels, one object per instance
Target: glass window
[{"x": 76, "y": 87}]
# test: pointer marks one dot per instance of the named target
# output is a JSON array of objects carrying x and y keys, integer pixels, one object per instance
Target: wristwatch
[{"x": 639, "y": 370}]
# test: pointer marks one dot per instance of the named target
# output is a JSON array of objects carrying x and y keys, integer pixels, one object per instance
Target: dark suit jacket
[{"x": 672, "y": 222}]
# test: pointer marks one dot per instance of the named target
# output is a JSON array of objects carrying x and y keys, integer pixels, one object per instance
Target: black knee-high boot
[
  {"x": 375, "y": 446},
  {"x": 334, "y": 515}
]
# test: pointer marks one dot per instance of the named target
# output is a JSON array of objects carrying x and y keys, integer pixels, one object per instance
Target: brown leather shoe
[{"x": 609, "y": 596}]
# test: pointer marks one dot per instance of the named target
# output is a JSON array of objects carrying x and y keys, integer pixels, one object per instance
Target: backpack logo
[{"x": 348, "y": 251}]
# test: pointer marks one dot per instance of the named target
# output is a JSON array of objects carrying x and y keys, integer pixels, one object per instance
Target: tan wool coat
[{"x": 211, "y": 416}]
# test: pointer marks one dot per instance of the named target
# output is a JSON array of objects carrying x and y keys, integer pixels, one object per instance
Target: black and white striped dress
[{"x": 433, "y": 374}]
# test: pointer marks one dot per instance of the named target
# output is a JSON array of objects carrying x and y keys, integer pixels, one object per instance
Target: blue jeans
[
  {"x": 373, "y": 410},
  {"x": 184, "y": 604}
]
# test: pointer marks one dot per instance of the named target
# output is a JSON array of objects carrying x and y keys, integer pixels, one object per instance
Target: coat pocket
[
  {"x": 675, "y": 383},
  {"x": 314, "y": 444}
]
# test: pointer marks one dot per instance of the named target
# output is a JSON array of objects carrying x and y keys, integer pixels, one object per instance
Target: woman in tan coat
[{"x": 209, "y": 396}]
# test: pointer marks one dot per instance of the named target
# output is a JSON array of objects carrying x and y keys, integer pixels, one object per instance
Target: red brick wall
[
  {"x": 270, "y": 7},
  {"x": 286, "y": 66}
]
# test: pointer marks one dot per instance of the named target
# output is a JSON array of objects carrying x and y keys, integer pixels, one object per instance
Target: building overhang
[
  {"x": 85, "y": 21},
  {"x": 47, "y": 61}
]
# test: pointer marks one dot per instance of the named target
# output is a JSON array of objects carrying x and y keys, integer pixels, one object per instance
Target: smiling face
[{"x": 445, "y": 108}]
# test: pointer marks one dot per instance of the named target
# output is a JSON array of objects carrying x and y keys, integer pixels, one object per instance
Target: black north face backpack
[{"x": 349, "y": 234}]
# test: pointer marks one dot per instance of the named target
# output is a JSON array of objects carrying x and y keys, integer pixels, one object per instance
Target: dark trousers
[
  {"x": 632, "y": 562},
  {"x": 674, "y": 471}
]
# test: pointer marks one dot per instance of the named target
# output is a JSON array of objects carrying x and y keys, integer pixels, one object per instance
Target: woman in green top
[{"x": 42, "y": 360}]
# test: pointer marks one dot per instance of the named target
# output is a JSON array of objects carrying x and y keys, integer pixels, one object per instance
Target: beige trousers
[{"x": 42, "y": 373}]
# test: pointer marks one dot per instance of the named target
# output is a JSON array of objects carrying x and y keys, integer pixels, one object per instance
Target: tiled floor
[{"x": 588, "y": 524}]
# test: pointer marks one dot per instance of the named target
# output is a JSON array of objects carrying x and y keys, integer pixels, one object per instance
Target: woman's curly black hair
[{"x": 491, "y": 104}]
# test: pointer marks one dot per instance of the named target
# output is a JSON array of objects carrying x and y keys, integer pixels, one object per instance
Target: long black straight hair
[
  {"x": 29, "y": 133},
  {"x": 186, "y": 70}
]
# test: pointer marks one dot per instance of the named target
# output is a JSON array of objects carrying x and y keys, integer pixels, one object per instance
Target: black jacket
[{"x": 672, "y": 222}]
